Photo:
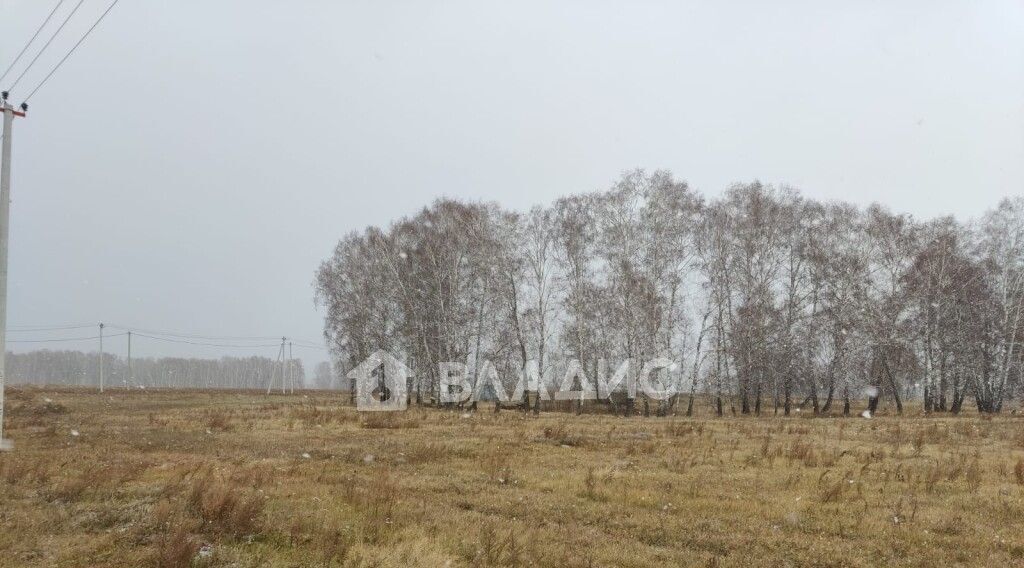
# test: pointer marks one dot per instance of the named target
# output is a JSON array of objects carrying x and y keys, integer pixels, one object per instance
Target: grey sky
[{"x": 193, "y": 163}]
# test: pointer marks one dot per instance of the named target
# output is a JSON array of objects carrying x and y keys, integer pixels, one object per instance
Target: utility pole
[
  {"x": 5, "y": 215},
  {"x": 283, "y": 363},
  {"x": 101, "y": 357},
  {"x": 291, "y": 379},
  {"x": 131, "y": 379},
  {"x": 273, "y": 370}
]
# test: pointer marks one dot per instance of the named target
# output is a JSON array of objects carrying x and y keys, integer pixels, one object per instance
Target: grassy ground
[{"x": 229, "y": 479}]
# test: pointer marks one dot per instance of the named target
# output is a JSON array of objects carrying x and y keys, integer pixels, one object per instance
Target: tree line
[
  {"x": 75, "y": 368},
  {"x": 766, "y": 300}
]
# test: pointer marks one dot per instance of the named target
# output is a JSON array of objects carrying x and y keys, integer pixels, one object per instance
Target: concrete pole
[
  {"x": 283, "y": 363},
  {"x": 101, "y": 357},
  {"x": 291, "y": 378},
  {"x": 273, "y": 370},
  {"x": 131, "y": 379},
  {"x": 5, "y": 213}
]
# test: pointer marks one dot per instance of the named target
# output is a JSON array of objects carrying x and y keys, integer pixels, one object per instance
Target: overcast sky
[{"x": 193, "y": 162}]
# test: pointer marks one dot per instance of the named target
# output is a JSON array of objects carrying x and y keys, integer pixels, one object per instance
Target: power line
[
  {"x": 34, "y": 328},
  {"x": 136, "y": 334},
  {"x": 65, "y": 58},
  {"x": 64, "y": 339},
  {"x": 195, "y": 336},
  {"x": 321, "y": 348},
  {"x": 167, "y": 336},
  {"x": 34, "y": 36},
  {"x": 47, "y": 44},
  {"x": 307, "y": 341}
]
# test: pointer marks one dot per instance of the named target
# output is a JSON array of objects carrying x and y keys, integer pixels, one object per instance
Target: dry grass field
[{"x": 241, "y": 479}]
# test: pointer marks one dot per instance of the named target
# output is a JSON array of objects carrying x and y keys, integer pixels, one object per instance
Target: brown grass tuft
[
  {"x": 225, "y": 507},
  {"x": 175, "y": 548}
]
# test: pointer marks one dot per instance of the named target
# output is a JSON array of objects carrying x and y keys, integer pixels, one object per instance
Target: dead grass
[
  {"x": 218, "y": 419},
  {"x": 152, "y": 480},
  {"x": 225, "y": 507},
  {"x": 175, "y": 548}
]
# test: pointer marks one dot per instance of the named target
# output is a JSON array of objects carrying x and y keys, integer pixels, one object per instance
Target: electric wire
[
  {"x": 65, "y": 58},
  {"x": 195, "y": 336},
  {"x": 32, "y": 328},
  {"x": 311, "y": 347},
  {"x": 34, "y": 36},
  {"x": 168, "y": 336},
  {"x": 47, "y": 44},
  {"x": 171, "y": 340},
  {"x": 65, "y": 339}
]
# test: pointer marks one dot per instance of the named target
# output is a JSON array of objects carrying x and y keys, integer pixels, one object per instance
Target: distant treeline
[
  {"x": 75, "y": 368},
  {"x": 765, "y": 299}
]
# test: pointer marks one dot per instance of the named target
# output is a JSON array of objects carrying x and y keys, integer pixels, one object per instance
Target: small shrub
[
  {"x": 175, "y": 548},
  {"x": 218, "y": 420},
  {"x": 803, "y": 452},
  {"x": 562, "y": 435},
  {"x": 225, "y": 507}
]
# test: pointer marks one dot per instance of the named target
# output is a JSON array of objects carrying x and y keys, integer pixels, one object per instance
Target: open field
[{"x": 149, "y": 478}]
